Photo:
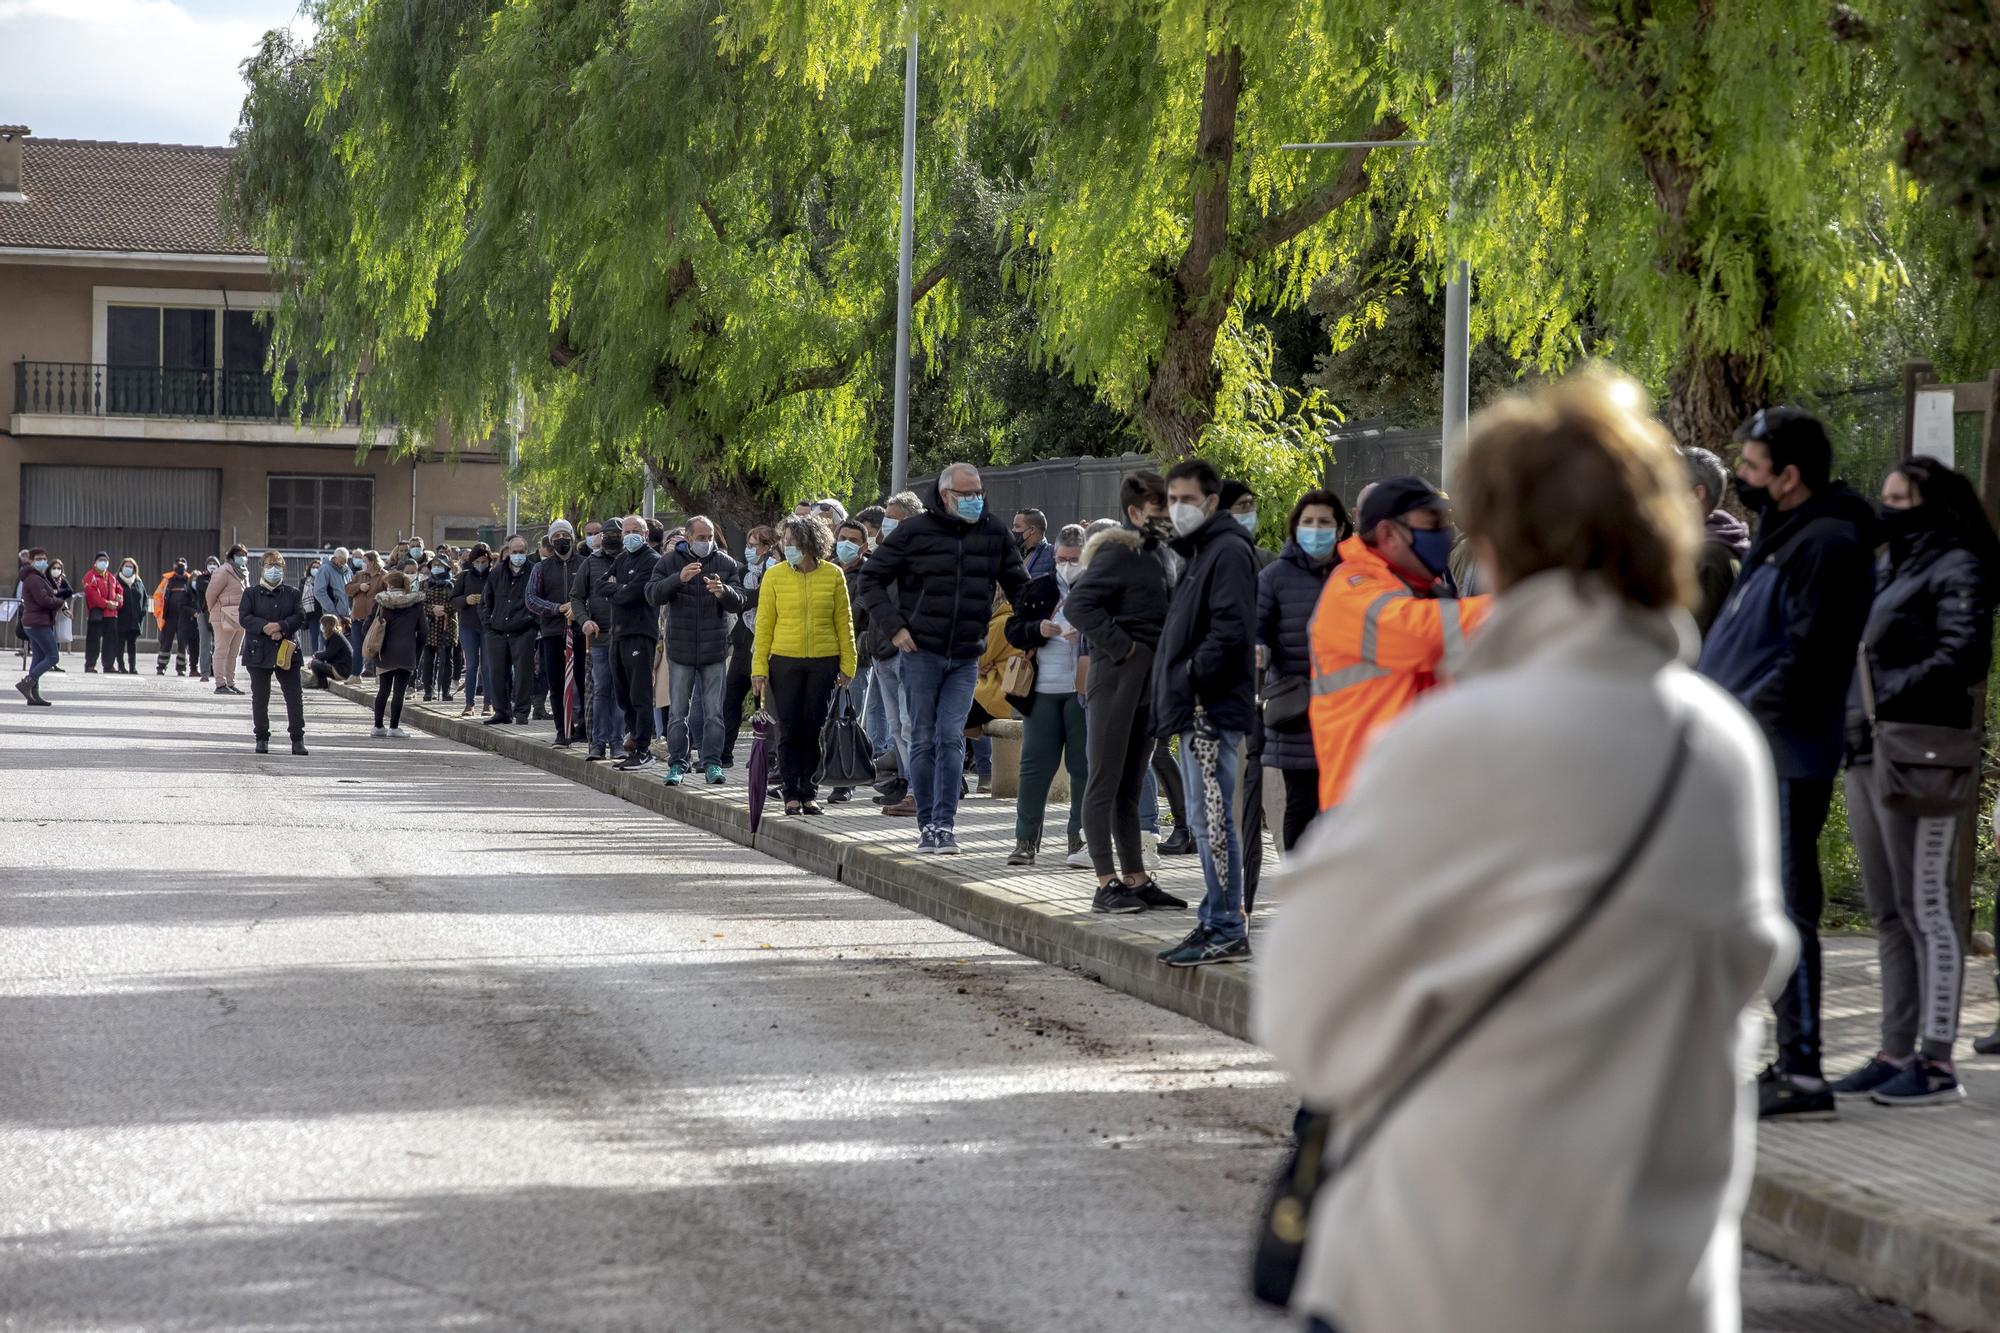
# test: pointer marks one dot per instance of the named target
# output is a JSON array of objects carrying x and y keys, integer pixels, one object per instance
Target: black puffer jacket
[
  {"x": 1119, "y": 597},
  {"x": 1929, "y": 639},
  {"x": 1288, "y": 592},
  {"x": 934, "y": 576},
  {"x": 698, "y": 622},
  {"x": 505, "y": 610},
  {"x": 588, "y": 600},
  {"x": 403, "y": 618},
  {"x": 549, "y": 588},
  {"x": 1208, "y": 648}
]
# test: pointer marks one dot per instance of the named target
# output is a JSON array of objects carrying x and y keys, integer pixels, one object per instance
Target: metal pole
[
  {"x": 899, "y": 448},
  {"x": 1457, "y": 356},
  {"x": 652, "y": 493},
  {"x": 513, "y": 462}
]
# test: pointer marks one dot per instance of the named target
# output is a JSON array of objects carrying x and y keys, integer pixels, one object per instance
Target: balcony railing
[{"x": 80, "y": 389}]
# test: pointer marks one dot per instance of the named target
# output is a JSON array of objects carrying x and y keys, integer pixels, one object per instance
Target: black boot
[
  {"x": 1178, "y": 843},
  {"x": 1990, "y": 1043}
]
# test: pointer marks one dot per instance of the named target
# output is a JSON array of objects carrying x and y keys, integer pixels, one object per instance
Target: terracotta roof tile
[{"x": 85, "y": 195}]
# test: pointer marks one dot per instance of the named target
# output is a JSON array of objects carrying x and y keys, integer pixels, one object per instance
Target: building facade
[{"x": 136, "y": 412}]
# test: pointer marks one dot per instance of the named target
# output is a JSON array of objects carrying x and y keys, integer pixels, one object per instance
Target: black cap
[
  {"x": 1232, "y": 491},
  {"x": 1394, "y": 497}
]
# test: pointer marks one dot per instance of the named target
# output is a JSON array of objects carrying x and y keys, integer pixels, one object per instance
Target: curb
[{"x": 1850, "y": 1235}]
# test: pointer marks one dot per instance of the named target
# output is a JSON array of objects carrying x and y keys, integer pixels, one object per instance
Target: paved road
[{"x": 405, "y": 1036}]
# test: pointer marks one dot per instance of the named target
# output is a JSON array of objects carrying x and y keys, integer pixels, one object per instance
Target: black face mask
[
  {"x": 1902, "y": 526},
  {"x": 1756, "y": 499},
  {"x": 561, "y": 545}
]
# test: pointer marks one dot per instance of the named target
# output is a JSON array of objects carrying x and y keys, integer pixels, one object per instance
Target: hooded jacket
[
  {"x": 1288, "y": 592},
  {"x": 504, "y": 608},
  {"x": 39, "y": 602},
  {"x": 1929, "y": 639},
  {"x": 698, "y": 622},
  {"x": 1208, "y": 651},
  {"x": 224, "y": 595},
  {"x": 1118, "y": 600},
  {"x": 402, "y": 628},
  {"x": 1784, "y": 642},
  {"x": 934, "y": 576},
  {"x": 1716, "y": 562}
]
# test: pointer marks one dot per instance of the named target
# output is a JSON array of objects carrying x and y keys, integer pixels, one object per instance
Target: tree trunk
[
  {"x": 1708, "y": 396},
  {"x": 736, "y": 503}
]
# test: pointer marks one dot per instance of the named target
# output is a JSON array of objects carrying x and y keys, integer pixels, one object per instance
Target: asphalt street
[{"x": 406, "y": 1036}]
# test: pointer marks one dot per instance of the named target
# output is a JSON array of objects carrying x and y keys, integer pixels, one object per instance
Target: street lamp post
[{"x": 899, "y": 447}]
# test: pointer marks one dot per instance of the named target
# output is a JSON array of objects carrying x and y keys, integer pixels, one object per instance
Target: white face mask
[
  {"x": 103, "y": 565},
  {"x": 1066, "y": 571},
  {"x": 1187, "y": 518}
]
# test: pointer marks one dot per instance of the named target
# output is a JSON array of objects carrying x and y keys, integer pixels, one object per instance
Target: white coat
[{"x": 1582, "y": 1161}]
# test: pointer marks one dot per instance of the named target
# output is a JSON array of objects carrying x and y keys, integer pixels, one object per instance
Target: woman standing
[
  {"x": 401, "y": 608},
  {"x": 1924, "y": 654},
  {"x": 1287, "y": 593},
  {"x": 803, "y": 652},
  {"x": 1621, "y": 875},
  {"x": 225, "y": 595},
  {"x": 131, "y": 617},
  {"x": 310, "y": 638},
  {"x": 361, "y": 591},
  {"x": 466, "y": 594},
  {"x": 65, "y": 625},
  {"x": 269, "y": 615},
  {"x": 1052, "y": 726},
  {"x": 440, "y": 630}
]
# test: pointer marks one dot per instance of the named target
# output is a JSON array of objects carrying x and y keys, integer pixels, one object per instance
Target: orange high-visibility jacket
[{"x": 1376, "y": 646}]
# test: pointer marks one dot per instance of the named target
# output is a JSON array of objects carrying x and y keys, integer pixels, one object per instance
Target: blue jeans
[
  {"x": 469, "y": 638},
  {"x": 694, "y": 711},
  {"x": 895, "y": 719},
  {"x": 982, "y": 757},
  {"x": 1222, "y": 901},
  {"x": 937, "y": 695},
  {"x": 1149, "y": 803},
  {"x": 607, "y": 709},
  {"x": 43, "y": 651},
  {"x": 310, "y": 637},
  {"x": 878, "y": 719}
]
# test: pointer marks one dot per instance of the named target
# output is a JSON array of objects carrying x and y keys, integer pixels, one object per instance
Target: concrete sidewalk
[{"x": 1902, "y": 1204}]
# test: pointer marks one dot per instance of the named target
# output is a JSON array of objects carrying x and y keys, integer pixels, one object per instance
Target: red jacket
[{"x": 102, "y": 592}]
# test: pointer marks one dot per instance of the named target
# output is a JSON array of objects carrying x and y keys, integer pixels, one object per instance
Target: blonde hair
[{"x": 1580, "y": 476}]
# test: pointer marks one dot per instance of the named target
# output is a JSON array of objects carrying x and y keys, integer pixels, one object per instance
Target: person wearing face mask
[
  {"x": 1031, "y": 534},
  {"x": 440, "y": 629},
  {"x": 1928, "y": 645},
  {"x": 468, "y": 597},
  {"x": 268, "y": 614},
  {"x": 224, "y": 596},
  {"x": 1052, "y": 722},
  {"x": 131, "y": 619},
  {"x": 1288, "y": 590},
  {"x": 309, "y": 637},
  {"x": 565, "y": 656},
  {"x": 1784, "y": 647},
  {"x": 635, "y": 631},
  {"x": 1118, "y": 602},
  {"x": 803, "y": 654},
  {"x": 590, "y": 608},
  {"x": 401, "y": 608},
  {"x": 173, "y": 614},
  {"x": 1241, "y": 501},
  {"x": 361, "y": 589},
  {"x": 39, "y": 604},
  {"x": 203, "y": 666},
  {"x": 509, "y": 649},
  {"x": 850, "y": 551},
  {"x": 699, "y": 585},
  {"x": 929, "y": 586},
  {"x": 1388, "y": 626},
  {"x": 102, "y": 597},
  {"x": 330, "y": 585},
  {"x": 885, "y": 682}
]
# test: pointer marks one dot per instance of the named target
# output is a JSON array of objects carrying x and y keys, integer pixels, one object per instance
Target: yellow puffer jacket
[{"x": 803, "y": 615}]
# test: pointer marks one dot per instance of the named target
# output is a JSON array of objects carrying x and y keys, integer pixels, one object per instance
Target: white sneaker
[
  {"x": 1149, "y": 854},
  {"x": 379, "y": 732},
  {"x": 1080, "y": 858},
  {"x": 398, "y": 733}
]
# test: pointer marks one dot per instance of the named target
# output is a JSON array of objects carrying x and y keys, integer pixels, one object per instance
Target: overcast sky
[{"x": 144, "y": 71}]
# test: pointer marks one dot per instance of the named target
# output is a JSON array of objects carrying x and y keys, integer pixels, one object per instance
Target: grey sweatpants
[{"x": 1919, "y": 915}]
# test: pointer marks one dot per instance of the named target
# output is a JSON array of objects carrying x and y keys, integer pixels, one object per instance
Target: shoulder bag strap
[{"x": 1594, "y": 902}]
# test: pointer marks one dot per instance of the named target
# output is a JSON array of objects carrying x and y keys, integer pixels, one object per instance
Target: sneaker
[
  {"x": 1153, "y": 895},
  {"x": 1923, "y": 1083},
  {"x": 1023, "y": 853},
  {"x": 398, "y": 734},
  {"x": 947, "y": 842},
  {"x": 676, "y": 774},
  {"x": 715, "y": 776},
  {"x": 1867, "y": 1078},
  {"x": 596, "y": 754},
  {"x": 380, "y": 733},
  {"x": 1207, "y": 948},
  {"x": 1116, "y": 898},
  {"x": 927, "y": 842},
  {"x": 465, "y": 711},
  {"x": 638, "y": 759},
  {"x": 1782, "y": 1096},
  {"x": 222, "y": 689},
  {"x": 1078, "y": 858},
  {"x": 1149, "y": 850}
]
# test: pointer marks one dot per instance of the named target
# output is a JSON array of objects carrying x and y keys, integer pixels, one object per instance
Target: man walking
[
  {"x": 699, "y": 585},
  {"x": 1031, "y": 532},
  {"x": 509, "y": 650},
  {"x": 1205, "y": 692},
  {"x": 1784, "y": 645},
  {"x": 942, "y": 566},
  {"x": 590, "y": 607},
  {"x": 560, "y": 639},
  {"x": 635, "y": 629}
]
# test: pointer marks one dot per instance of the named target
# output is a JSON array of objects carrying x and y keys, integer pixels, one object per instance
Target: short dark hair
[
  {"x": 236, "y": 550},
  {"x": 34, "y": 551},
  {"x": 1795, "y": 438},
  {"x": 870, "y": 517},
  {"x": 1198, "y": 470},
  {"x": 1343, "y": 522},
  {"x": 1140, "y": 489},
  {"x": 1036, "y": 519}
]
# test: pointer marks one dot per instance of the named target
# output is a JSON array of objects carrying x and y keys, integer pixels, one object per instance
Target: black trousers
[
  {"x": 635, "y": 668},
  {"x": 390, "y": 686},
  {"x": 801, "y": 693},
  {"x": 260, "y": 702},
  {"x": 321, "y": 669},
  {"x": 511, "y": 659},
  {"x": 128, "y": 649},
  {"x": 1802, "y": 810},
  {"x": 1167, "y": 774},
  {"x": 570, "y": 726},
  {"x": 1118, "y": 725},
  {"x": 434, "y": 669},
  {"x": 1301, "y": 803},
  {"x": 1253, "y": 811},
  {"x": 735, "y": 689},
  {"x": 100, "y": 640},
  {"x": 182, "y": 639}
]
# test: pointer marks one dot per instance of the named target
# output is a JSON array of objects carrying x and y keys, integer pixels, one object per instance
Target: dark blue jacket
[
  {"x": 1287, "y": 593},
  {"x": 1208, "y": 653},
  {"x": 1784, "y": 643}
]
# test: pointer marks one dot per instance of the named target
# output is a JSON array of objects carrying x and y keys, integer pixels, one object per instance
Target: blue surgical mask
[
  {"x": 749, "y": 555},
  {"x": 970, "y": 507},
  {"x": 889, "y": 525},
  {"x": 793, "y": 555},
  {"x": 42, "y": 566},
  {"x": 1317, "y": 542},
  {"x": 517, "y": 558},
  {"x": 1434, "y": 549},
  {"x": 634, "y": 540},
  {"x": 274, "y": 574},
  {"x": 1249, "y": 522},
  {"x": 438, "y": 571},
  {"x": 702, "y": 550},
  {"x": 241, "y": 561},
  {"x": 846, "y": 551}
]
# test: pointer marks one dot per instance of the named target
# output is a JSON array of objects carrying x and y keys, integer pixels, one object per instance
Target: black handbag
[
  {"x": 1920, "y": 770},
  {"x": 1287, "y": 703},
  {"x": 844, "y": 757},
  {"x": 1281, "y": 1241}
]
